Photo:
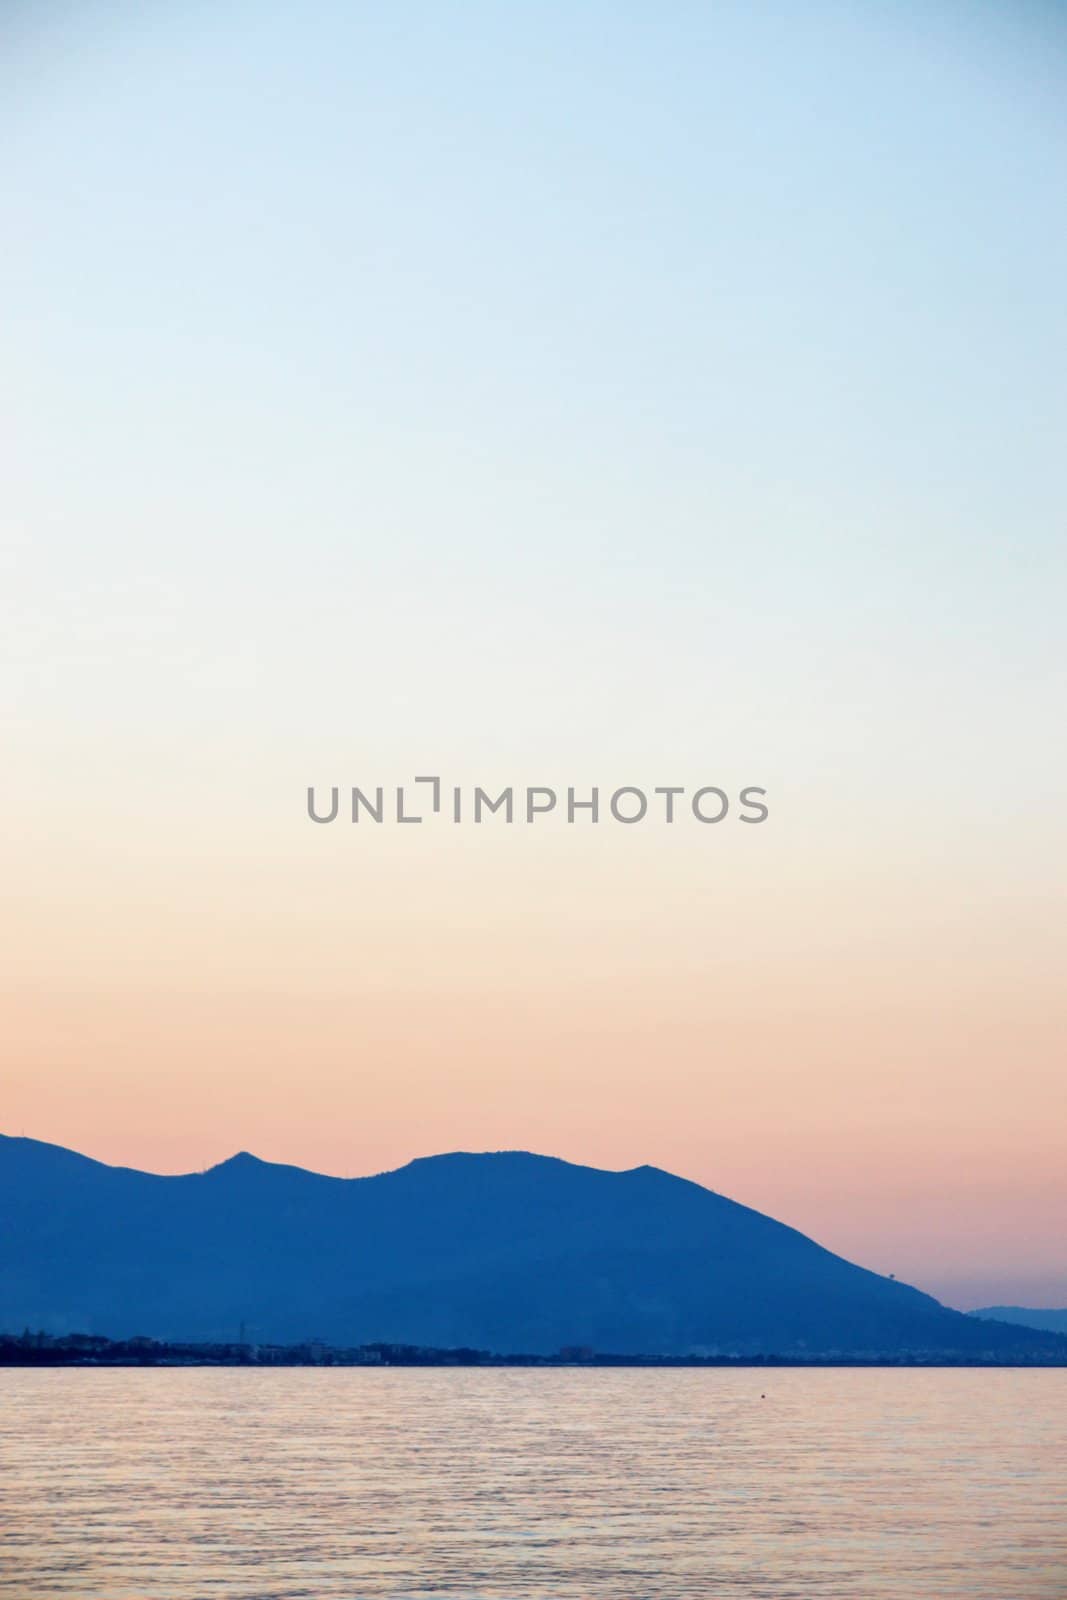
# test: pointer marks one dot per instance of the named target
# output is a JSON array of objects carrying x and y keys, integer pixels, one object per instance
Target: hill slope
[
  {"x": 510, "y": 1251},
  {"x": 1025, "y": 1317}
]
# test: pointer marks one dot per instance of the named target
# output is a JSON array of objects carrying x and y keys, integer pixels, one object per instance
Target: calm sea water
[{"x": 222, "y": 1484}]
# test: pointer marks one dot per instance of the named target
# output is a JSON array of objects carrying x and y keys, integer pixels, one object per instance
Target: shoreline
[{"x": 84, "y": 1350}]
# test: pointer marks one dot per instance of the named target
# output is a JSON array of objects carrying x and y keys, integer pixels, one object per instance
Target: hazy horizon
[{"x": 561, "y": 396}]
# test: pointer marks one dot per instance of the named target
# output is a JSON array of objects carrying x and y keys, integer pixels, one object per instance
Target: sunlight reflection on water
[{"x": 349, "y": 1484}]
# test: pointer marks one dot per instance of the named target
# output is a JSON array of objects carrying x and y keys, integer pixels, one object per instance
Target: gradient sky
[{"x": 556, "y": 394}]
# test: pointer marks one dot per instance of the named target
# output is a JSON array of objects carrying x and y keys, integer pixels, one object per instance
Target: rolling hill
[
  {"x": 509, "y": 1252},
  {"x": 1046, "y": 1321}
]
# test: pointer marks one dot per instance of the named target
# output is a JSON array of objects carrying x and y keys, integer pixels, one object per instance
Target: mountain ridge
[
  {"x": 1045, "y": 1319},
  {"x": 504, "y": 1250}
]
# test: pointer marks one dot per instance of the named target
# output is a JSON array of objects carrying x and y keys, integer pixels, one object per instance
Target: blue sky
[{"x": 592, "y": 393}]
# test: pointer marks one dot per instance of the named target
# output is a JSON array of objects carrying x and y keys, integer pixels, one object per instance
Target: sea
[{"x": 510, "y": 1484}]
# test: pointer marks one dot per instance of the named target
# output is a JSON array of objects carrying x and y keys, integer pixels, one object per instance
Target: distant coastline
[
  {"x": 91, "y": 1350},
  {"x": 503, "y": 1257}
]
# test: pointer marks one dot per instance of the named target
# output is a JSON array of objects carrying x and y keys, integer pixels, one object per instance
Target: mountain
[
  {"x": 508, "y": 1252},
  {"x": 1023, "y": 1317}
]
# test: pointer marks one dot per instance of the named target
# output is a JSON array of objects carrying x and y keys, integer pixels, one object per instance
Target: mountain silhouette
[
  {"x": 1047, "y": 1321},
  {"x": 509, "y": 1252}
]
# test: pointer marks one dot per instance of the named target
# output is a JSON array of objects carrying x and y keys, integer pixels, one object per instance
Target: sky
[{"x": 576, "y": 394}]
